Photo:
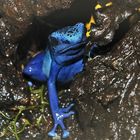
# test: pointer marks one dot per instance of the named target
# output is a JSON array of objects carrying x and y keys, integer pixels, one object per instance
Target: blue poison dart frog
[{"x": 60, "y": 62}]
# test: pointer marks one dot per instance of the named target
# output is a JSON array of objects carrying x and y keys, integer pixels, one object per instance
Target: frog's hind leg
[
  {"x": 59, "y": 114},
  {"x": 67, "y": 109},
  {"x": 65, "y": 132},
  {"x": 53, "y": 133}
]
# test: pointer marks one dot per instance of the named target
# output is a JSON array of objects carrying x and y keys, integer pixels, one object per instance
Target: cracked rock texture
[
  {"x": 9, "y": 77},
  {"x": 17, "y": 15},
  {"x": 108, "y": 92}
]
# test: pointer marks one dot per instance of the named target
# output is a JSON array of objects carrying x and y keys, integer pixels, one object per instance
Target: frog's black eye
[{"x": 53, "y": 41}]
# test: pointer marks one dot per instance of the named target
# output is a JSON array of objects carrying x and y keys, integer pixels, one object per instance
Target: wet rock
[
  {"x": 107, "y": 93},
  {"x": 110, "y": 18},
  {"x": 16, "y": 16},
  {"x": 12, "y": 87},
  {"x": 24, "y": 21}
]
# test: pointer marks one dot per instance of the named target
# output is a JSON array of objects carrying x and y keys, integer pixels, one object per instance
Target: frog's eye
[
  {"x": 53, "y": 41},
  {"x": 109, "y": 4},
  {"x": 98, "y": 6}
]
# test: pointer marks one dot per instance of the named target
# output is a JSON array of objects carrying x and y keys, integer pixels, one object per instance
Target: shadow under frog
[{"x": 60, "y": 62}]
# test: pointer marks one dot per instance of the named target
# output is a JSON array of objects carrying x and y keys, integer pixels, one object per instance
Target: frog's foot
[
  {"x": 67, "y": 109},
  {"x": 59, "y": 116},
  {"x": 52, "y": 133}
]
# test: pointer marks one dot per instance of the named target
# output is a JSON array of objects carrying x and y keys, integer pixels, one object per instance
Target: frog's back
[
  {"x": 66, "y": 45},
  {"x": 69, "y": 35}
]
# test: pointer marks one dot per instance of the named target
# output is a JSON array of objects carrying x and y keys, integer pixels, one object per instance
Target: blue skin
[{"x": 60, "y": 62}]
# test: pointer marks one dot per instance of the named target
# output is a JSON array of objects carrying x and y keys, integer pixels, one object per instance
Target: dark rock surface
[
  {"x": 12, "y": 87},
  {"x": 17, "y": 15},
  {"x": 108, "y": 92},
  {"x": 110, "y": 19},
  {"x": 15, "y": 18}
]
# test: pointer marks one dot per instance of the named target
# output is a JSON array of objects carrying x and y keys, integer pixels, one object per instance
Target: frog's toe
[
  {"x": 65, "y": 134},
  {"x": 66, "y": 115},
  {"x": 52, "y": 133},
  {"x": 59, "y": 116},
  {"x": 67, "y": 109}
]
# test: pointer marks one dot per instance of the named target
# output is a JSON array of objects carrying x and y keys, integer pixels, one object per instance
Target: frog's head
[
  {"x": 68, "y": 35},
  {"x": 33, "y": 69}
]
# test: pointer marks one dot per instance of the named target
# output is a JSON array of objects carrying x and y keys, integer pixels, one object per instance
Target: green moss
[{"x": 38, "y": 103}]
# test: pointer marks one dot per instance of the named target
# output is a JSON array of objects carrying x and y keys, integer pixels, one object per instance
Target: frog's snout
[
  {"x": 34, "y": 72},
  {"x": 33, "y": 69},
  {"x": 28, "y": 70}
]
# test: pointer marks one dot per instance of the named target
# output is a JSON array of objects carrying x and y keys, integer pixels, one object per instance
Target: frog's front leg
[{"x": 59, "y": 114}]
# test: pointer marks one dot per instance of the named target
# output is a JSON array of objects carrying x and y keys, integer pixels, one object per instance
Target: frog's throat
[{"x": 47, "y": 63}]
